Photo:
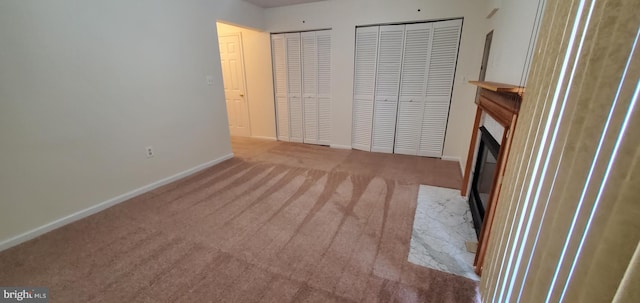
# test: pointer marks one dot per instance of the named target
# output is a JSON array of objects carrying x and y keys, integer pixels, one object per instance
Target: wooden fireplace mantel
[
  {"x": 501, "y": 102},
  {"x": 500, "y": 106},
  {"x": 499, "y": 87}
]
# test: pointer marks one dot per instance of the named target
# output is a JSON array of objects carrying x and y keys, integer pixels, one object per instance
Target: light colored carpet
[
  {"x": 252, "y": 229},
  {"x": 411, "y": 169},
  {"x": 441, "y": 227}
]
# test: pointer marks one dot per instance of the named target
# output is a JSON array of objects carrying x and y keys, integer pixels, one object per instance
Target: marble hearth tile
[{"x": 441, "y": 226}]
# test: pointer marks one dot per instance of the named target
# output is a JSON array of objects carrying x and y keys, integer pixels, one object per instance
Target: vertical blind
[{"x": 566, "y": 228}]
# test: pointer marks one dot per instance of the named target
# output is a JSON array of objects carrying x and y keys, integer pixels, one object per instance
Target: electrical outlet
[
  {"x": 149, "y": 151},
  {"x": 209, "y": 80}
]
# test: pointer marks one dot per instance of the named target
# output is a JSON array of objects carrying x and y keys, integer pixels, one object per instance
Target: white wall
[
  {"x": 511, "y": 51},
  {"x": 343, "y": 16},
  {"x": 259, "y": 78},
  {"x": 86, "y": 85}
]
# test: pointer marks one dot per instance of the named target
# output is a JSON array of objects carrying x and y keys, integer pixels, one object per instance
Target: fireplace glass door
[{"x": 483, "y": 177}]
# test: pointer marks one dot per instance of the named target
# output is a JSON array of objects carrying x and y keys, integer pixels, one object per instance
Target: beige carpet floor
[{"x": 280, "y": 222}]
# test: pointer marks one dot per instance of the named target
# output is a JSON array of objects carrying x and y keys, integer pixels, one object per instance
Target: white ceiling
[{"x": 276, "y": 3}]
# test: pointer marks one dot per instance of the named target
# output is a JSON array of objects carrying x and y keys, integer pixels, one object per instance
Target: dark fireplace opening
[{"x": 483, "y": 177}]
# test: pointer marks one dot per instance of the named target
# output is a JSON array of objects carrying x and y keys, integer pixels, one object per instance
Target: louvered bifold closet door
[
  {"x": 309, "y": 86},
  {"x": 387, "y": 86},
  {"x": 278, "y": 49},
  {"x": 294, "y": 85},
  {"x": 440, "y": 76},
  {"x": 364, "y": 84},
  {"x": 323, "y": 43},
  {"x": 413, "y": 83}
]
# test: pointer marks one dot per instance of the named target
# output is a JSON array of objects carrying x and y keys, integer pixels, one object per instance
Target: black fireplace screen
[{"x": 483, "y": 176}]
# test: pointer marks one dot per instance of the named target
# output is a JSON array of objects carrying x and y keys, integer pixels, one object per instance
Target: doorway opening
[{"x": 248, "y": 84}]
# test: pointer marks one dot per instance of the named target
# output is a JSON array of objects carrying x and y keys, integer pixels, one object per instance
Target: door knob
[{"x": 241, "y": 95}]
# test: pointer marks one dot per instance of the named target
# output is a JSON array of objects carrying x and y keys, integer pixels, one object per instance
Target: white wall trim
[
  {"x": 265, "y": 138},
  {"x": 338, "y": 146},
  {"x": 453, "y": 158},
  {"x": 13, "y": 241}
]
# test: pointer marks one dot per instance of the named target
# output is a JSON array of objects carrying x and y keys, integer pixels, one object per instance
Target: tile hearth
[{"x": 441, "y": 227}]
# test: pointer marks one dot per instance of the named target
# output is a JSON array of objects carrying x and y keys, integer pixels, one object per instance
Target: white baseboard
[
  {"x": 338, "y": 146},
  {"x": 8, "y": 243},
  {"x": 265, "y": 138},
  {"x": 457, "y": 159}
]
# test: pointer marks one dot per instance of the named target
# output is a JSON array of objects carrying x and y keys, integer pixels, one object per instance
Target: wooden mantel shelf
[{"x": 499, "y": 87}]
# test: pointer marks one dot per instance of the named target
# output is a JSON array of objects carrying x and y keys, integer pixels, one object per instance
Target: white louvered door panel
[
  {"x": 365, "y": 63},
  {"x": 364, "y": 83},
  {"x": 384, "y": 123},
  {"x": 294, "y": 84},
  {"x": 387, "y": 87},
  {"x": 389, "y": 61},
  {"x": 296, "y": 119},
  {"x": 408, "y": 127},
  {"x": 310, "y": 119},
  {"x": 323, "y": 43},
  {"x": 415, "y": 60},
  {"x": 362, "y": 123},
  {"x": 412, "y": 87},
  {"x": 278, "y": 50},
  {"x": 282, "y": 116},
  {"x": 440, "y": 77},
  {"x": 309, "y": 86},
  {"x": 434, "y": 123}
]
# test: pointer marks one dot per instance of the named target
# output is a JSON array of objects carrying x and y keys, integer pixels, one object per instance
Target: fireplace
[
  {"x": 501, "y": 102},
  {"x": 483, "y": 176}
]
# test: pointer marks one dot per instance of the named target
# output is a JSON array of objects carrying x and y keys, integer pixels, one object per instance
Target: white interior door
[
  {"x": 294, "y": 86},
  {"x": 388, "y": 71},
  {"x": 323, "y": 39},
  {"x": 302, "y": 83},
  {"x": 413, "y": 83},
  {"x": 364, "y": 84},
  {"x": 316, "y": 86},
  {"x": 440, "y": 77},
  {"x": 234, "y": 84},
  {"x": 309, "y": 86},
  {"x": 403, "y": 81},
  {"x": 278, "y": 50}
]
